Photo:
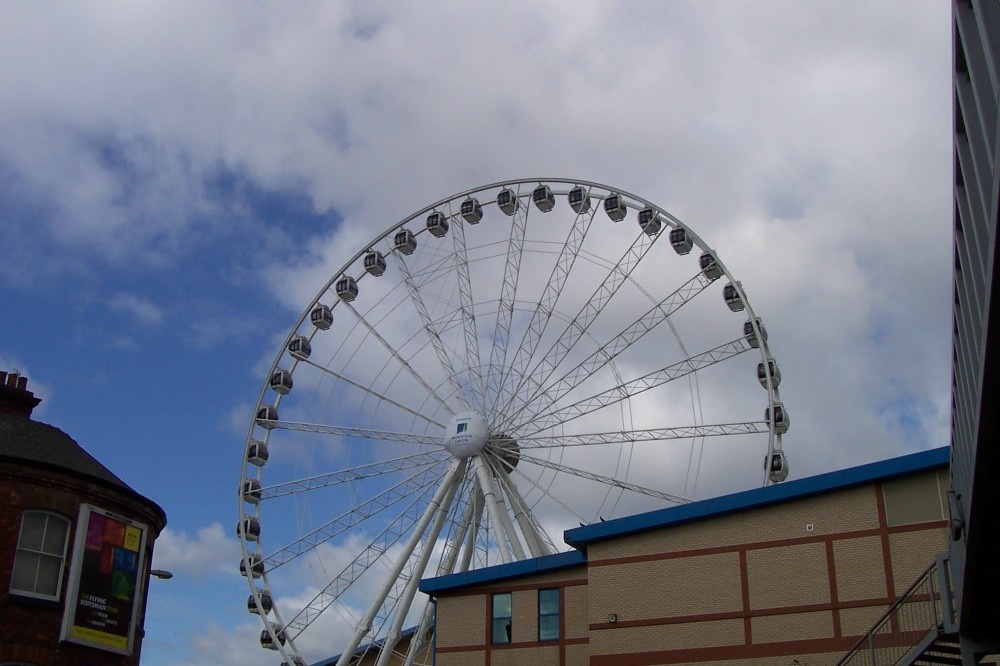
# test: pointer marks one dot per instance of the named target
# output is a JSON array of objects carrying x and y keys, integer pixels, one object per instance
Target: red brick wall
[{"x": 30, "y": 628}]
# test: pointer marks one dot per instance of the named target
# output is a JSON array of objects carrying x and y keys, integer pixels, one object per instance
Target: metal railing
[{"x": 925, "y": 611}]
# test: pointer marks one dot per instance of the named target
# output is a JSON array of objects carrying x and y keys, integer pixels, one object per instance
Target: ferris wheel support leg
[
  {"x": 449, "y": 560},
  {"x": 536, "y": 544},
  {"x": 364, "y": 626},
  {"x": 498, "y": 514},
  {"x": 473, "y": 534},
  {"x": 403, "y": 606},
  {"x": 464, "y": 527}
]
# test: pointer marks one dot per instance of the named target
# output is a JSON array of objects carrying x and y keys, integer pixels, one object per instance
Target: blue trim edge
[{"x": 535, "y": 565}]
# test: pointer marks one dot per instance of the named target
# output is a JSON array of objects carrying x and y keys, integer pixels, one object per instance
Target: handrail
[{"x": 925, "y": 608}]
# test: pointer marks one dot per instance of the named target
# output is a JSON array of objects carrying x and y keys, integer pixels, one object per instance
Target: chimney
[{"x": 15, "y": 398}]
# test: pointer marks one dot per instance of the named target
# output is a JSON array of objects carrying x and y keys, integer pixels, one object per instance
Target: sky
[{"x": 178, "y": 180}]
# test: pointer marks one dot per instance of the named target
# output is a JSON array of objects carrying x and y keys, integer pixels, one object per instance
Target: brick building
[
  {"x": 785, "y": 574},
  {"x": 75, "y": 546}
]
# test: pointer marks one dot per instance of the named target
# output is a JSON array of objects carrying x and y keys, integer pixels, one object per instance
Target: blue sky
[{"x": 177, "y": 180}]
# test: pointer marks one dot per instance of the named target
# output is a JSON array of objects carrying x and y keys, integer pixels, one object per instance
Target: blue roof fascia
[
  {"x": 579, "y": 537},
  {"x": 535, "y": 565}
]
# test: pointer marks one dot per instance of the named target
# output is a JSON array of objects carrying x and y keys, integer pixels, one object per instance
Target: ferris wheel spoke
[
  {"x": 636, "y": 386},
  {"x": 434, "y": 271},
  {"x": 356, "y": 515},
  {"x": 365, "y": 433},
  {"x": 366, "y": 558},
  {"x": 505, "y": 307},
  {"x": 350, "y": 474},
  {"x": 548, "y": 494},
  {"x": 606, "y": 480},
  {"x": 578, "y": 326},
  {"x": 473, "y": 364},
  {"x": 373, "y": 332},
  {"x": 370, "y": 391},
  {"x": 607, "y": 352},
  {"x": 545, "y": 306},
  {"x": 642, "y": 435},
  {"x": 432, "y": 332}
]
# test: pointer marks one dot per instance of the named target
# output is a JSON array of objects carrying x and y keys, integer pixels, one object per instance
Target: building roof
[
  {"x": 535, "y": 565},
  {"x": 44, "y": 446},
  {"x": 580, "y": 537}
]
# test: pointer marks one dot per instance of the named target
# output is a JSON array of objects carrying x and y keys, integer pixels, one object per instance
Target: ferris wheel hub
[{"x": 466, "y": 434}]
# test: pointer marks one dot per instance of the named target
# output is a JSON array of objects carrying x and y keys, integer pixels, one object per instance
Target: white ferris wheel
[{"x": 502, "y": 365}]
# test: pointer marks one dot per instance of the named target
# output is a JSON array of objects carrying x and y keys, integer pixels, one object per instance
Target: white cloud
[
  {"x": 210, "y": 551},
  {"x": 141, "y": 310},
  {"x": 217, "y": 645}
]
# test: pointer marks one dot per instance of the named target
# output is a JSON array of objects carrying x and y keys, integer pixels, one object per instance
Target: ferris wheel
[{"x": 502, "y": 365}]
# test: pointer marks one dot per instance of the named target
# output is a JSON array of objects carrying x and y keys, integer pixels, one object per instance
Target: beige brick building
[{"x": 797, "y": 571}]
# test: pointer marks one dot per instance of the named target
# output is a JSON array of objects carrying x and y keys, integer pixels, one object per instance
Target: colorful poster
[{"x": 104, "y": 593}]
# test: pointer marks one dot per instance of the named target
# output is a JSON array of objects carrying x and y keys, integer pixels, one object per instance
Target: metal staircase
[{"x": 920, "y": 628}]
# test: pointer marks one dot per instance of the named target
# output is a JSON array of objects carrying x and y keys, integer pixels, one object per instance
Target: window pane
[
  {"x": 501, "y": 630},
  {"x": 25, "y": 570},
  {"x": 501, "y": 618},
  {"x": 548, "y": 602},
  {"x": 55, "y": 536},
  {"x": 501, "y": 605},
  {"x": 32, "y": 530},
  {"x": 48, "y": 575},
  {"x": 548, "y": 628}
]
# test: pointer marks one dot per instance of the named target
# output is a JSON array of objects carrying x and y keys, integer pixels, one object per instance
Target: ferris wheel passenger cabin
[
  {"x": 781, "y": 420},
  {"x": 250, "y": 491},
  {"x": 256, "y": 568},
  {"x": 472, "y": 210},
  {"x": 375, "y": 263},
  {"x": 680, "y": 241},
  {"x": 615, "y": 207},
  {"x": 579, "y": 200},
  {"x": 437, "y": 224},
  {"x": 280, "y": 381},
  {"x": 347, "y": 289},
  {"x": 266, "y": 416},
  {"x": 300, "y": 347},
  {"x": 543, "y": 198},
  {"x": 507, "y": 201},
  {"x": 321, "y": 317},
  {"x": 731, "y": 294},
  {"x": 266, "y": 604},
  {"x": 771, "y": 369},
  {"x": 649, "y": 221},
  {"x": 709, "y": 266},
  {"x": 404, "y": 241},
  {"x": 777, "y": 467},
  {"x": 257, "y": 453},
  {"x": 749, "y": 334}
]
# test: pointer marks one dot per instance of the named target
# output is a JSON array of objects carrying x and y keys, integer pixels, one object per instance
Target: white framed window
[{"x": 40, "y": 555}]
